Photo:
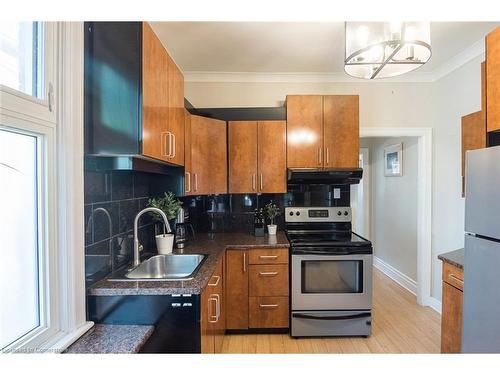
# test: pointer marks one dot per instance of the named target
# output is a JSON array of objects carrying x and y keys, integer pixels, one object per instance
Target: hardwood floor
[{"x": 399, "y": 326}]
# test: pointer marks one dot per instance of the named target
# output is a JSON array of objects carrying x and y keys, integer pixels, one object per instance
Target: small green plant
[
  {"x": 271, "y": 211},
  {"x": 169, "y": 204}
]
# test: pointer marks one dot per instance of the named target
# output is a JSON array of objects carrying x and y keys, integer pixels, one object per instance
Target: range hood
[{"x": 325, "y": 176}]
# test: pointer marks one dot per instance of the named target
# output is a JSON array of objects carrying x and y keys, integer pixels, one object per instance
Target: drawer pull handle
[
  {"x": 268, "y": 273},
  {"x": 216, "y": 282},
  {"x": 268, "y": 306},
  {"x": 453, "y": 277},
  {"x": 268, "y": 256}
]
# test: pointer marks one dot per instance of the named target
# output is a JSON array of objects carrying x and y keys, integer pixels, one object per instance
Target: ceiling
[{"x": 286, "y": 47}]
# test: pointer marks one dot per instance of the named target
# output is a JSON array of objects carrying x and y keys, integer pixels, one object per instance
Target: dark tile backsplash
[{"x": 112, "y": 199}]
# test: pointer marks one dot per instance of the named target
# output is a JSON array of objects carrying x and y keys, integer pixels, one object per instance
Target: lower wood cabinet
[
  {"x": 213, "y": 317},
  {"x": 451, "y": 314},
  {"x": 257, "y": 288}
]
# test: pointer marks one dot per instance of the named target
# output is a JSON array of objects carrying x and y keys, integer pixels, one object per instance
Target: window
[
  {"x": 27, "y": 164},
  {"x": 21, "y": 57},
  {"x": 19, "y": 231}
]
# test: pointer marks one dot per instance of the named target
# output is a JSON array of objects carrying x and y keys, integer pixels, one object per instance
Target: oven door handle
[{"x": 340, "y": 317}]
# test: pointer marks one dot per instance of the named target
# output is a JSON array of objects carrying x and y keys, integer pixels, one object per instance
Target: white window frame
[{"x": 57, "y": 120}]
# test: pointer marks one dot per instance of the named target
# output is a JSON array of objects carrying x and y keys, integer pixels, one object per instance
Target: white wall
[
  {"x": 393, "y": 224},
  {"x": 438, "y": 105}
]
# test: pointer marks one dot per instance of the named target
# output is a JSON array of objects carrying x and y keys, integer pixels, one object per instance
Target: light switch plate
[{"x": 336, "y": 193}]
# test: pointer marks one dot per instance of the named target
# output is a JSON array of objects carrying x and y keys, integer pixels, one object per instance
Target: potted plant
[
  {"x": 271, "y": 211},
  {"x": 170, "y": 205}
]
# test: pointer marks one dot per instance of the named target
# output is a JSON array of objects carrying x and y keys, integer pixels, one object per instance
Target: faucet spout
[{"x": 136, "y": 230}]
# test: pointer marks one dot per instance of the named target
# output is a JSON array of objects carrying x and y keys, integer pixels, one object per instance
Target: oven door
[{"x": 331, "y": 282}]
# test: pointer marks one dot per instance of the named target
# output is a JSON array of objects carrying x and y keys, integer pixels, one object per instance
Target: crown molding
[{"x": 475, "y": 50}]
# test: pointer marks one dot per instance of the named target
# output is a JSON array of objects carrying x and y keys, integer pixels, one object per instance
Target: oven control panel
[{"x": 317, "y": 214}]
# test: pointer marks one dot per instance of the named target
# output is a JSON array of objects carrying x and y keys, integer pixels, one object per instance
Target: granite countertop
[
  {"x": 455, "y": 258},
  {"x": 111, "y": 339},
  {"x": 203, "y": 244}
]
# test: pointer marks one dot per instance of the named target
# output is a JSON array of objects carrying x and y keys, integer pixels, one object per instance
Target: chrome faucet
[{"x": 136, "y": 237}]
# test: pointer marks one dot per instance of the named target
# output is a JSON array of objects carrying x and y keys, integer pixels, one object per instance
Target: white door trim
[{"x": 424, "y": 201}]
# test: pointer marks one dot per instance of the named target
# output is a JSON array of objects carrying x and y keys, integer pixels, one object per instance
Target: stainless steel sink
[{"x": 164, "y": 268}]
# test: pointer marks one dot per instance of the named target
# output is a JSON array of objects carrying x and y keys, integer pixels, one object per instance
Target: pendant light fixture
[{"x": 385, "y": 49}]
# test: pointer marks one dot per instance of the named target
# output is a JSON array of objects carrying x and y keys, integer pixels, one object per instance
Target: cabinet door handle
[
  {"x": 254, "y": 182},
  {"x": 164, "y": 136},
  {"x": 244, "y": 262},
  {"x": 270, "y": 274},
  {"x": 173, "y": 145},
  {"x": 211, "y": 317},
  {"x": 196, "y": 182},
  {"x": 261, "y": 182},
  {"x": 327, "y": 155},
  {"x": 188, "y": 180},
  {"x": 273, "y": 306},
  {"x": 320, "y": 156},
  {"x": 268, "y": 256},
  {"x": 216, "y": 282},
  {"x": 454, "y": 278}
]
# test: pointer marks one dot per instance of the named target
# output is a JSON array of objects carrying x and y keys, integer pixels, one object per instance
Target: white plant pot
[
  {"x": 165, "y": 243},
  {"x": 271, "y": 229}
]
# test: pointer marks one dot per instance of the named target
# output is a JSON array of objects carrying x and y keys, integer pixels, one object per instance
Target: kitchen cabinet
[
  {"x": 451, "y": 315},
  {"x": 493, "y": 80},
  {"x": 134, "y": 93},
  {"x": 322, "y": 131},
  {"x": 187, "y": 154},
  {"x": 212, "y": 316},
  {"x": 473, "y": 137},
  {"x": 208, "y": 156},
  {"x": 257, "y": 156},
  {"x": 257, "y": 289}
]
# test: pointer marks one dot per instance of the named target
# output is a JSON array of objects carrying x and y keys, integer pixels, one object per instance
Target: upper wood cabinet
[
  {"x": 134, "y": 93},
  {"x": 322, "y": 131},
  {"x": 208, "y": 156},
  {"x": 257, "y": 157},
  {"x": 473, "y": 137},
  {"x": 493, "y": 80},
  {"x": 304, "y": 131},
  {"x": 188, "y": 186}
]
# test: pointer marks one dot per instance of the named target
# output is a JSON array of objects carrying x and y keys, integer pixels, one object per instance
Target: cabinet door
[
  {"x": 206, "y": 318},
  {"x": 176, "y": 112},
  {"x": 154, "y": 95},
  {"x": 200, "y": 155},
  {"x": 217, "y": 146},
  {"x": 493, "y": 80},
  {"x": 473, "y": 137},
  {"x": 188, "y": 185},
  {"x": 236, "y": 289},
  {"x": 242, "y": 156},
  {"x": 304, "y": 131},
  {"x": 451, "y": 319},
  {"x": 341, "y": 131},
  {"x": 272, "y": 156}
]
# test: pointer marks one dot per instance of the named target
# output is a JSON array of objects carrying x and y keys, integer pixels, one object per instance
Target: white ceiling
[{"x": 286, "y": 47}]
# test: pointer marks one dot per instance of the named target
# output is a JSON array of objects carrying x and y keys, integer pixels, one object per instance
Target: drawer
[
  {"x": 268, "y": 256},
  {"x": 453, "y": 276},
  {"x": 268, "y": 312},
  {"x": 268, "y": 280}
]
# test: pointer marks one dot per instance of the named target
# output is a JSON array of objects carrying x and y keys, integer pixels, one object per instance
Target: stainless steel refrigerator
[{"x": 481, "y": 309}]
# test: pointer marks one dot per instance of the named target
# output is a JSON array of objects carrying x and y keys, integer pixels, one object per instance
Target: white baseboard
[
  {"x": 435, "y": 304},
  {"x": 399, "y": 277}
]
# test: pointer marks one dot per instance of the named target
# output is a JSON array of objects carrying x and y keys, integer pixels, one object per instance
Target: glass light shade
[{"x": 385, "y": 49}]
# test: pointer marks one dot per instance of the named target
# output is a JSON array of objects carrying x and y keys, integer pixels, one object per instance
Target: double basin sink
[{"x": 171, "y": 267}]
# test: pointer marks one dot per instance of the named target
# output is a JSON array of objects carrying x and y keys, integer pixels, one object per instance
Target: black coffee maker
[{"x": 181, "y": 229}]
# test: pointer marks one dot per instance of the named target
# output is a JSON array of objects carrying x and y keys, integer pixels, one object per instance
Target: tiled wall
[{"x": 112, "y": 199}]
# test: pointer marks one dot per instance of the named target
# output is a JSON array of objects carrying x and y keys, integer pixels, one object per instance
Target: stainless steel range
[{"x": 331, "y": 273}]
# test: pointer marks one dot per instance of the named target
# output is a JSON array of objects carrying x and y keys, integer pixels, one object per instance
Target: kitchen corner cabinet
[
  {"x": 257, "y": 156},
  {"x": 212, "y": 317},
  {"x": 451, "y": 314},
  {"x": 134, "y": 93},
  {"x": 493, "y": 80},
  {"x": 257, "y": 289},
  {"x": 322, "y": 131},
  {"x": 208, "y": 170}
]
